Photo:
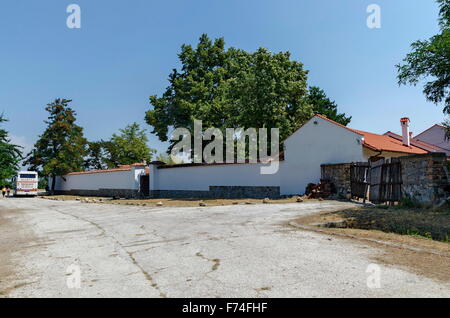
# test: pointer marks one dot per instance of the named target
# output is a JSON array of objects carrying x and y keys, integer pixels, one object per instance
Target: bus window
[{"x": 27, "y": 176}]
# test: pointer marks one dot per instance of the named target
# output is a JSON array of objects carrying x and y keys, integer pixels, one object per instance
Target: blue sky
[{"x": 125, "y": 50}]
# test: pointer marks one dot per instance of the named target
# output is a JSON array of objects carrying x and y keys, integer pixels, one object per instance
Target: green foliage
[
  {"x": 323, "y": 105},
  {"x": 128, "y": 147},
  {"x": 408, "y": 202},
  {"x": 430, "y": 60},
  {"x": 97, "y": 155},
  {"x": 42, "y": 183},
  {"x": 229, "y": 88},
  {"x": 10, "y": 156},
  {"x": 62, "y": 147},
  {"x": 167, "y": 159}
]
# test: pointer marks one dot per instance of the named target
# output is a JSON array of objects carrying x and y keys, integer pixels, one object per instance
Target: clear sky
[{"x": 125, "y": 50}]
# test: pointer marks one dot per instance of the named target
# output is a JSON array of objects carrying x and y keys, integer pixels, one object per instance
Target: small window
[{"x": 27, "y": 176}]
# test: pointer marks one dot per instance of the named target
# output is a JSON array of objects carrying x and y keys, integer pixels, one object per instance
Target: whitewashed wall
[
  {"x": 128, "y": 180},
  {"x": 316, "y": 142},
  {"x": 309, "y": 147},
  {"x": 199, "y": 178}
]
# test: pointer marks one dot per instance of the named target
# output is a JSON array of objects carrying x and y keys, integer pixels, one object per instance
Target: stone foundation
[
  {"x": 221, "y": 192},
  {"x": 123, "y": 193},
  {"x": 424, "y": 178}
]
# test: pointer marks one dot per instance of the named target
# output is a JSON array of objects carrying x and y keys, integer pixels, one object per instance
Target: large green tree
[
  {"x": 128, "y": 147},
  {"x": 62, "y": 146},
  {"x": 323, "y": 105},
  {"x": 229, "y": 88},
  {"x": 10, "y": 156},
  {"x": 429, "y": 60}
]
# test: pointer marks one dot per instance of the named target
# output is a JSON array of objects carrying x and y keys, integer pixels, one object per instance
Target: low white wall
[
  {"x": 199, "y": 178},
  {"x": 125, "y": 180}
]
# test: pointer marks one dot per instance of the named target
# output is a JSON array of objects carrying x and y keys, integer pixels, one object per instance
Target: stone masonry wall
[
  {"x": 222, "y": 192},
  {"x": 339, "y": 175},
  {"x": 123, "y": 193},
  {"x": 425, "y": 178}
]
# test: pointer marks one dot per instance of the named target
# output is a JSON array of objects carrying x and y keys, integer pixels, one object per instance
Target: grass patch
[{"x": 421, "y": 223}]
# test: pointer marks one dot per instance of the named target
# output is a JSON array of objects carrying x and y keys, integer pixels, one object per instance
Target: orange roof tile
[
  {"x": 385, "y": 143},
  {"x": 121, "y": 168},
  {"x": 418, "y": 143}
]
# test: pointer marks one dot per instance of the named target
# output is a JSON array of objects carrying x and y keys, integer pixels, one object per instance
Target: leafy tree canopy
[
  {"x": 323, "y": 105},
  {"x": 97, "y": 155},
  {"x": 128, "y": 147},
  {"x": 229, "y": 88},
  {"x": 167, "y": 159},
  {"x": 10, "y": 156},
  {"x": 430, "y": 60},
  {"x": 62, "y": 146}
]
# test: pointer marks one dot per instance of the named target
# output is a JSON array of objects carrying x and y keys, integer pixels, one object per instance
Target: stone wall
[
  {"x": 223, "y": 192},
  {"x": 425, "y": 178},
  {"x": 123, "y": 193},
  {"x": 339, "y": 175}
]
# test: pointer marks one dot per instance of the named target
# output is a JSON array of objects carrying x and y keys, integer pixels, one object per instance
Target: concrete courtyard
[{"x": 72, "y": 249}]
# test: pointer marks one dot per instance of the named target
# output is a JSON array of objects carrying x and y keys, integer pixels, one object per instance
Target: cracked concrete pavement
[{"x": 223, "y": 251}]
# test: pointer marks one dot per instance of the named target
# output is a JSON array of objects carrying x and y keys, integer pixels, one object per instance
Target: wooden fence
[
  {"x": 359, "y": 173},
  {"x": 379, "y": 181}
]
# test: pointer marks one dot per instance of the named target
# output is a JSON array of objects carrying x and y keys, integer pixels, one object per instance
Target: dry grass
[
  {"x": 381, "y": 227},
  {"x": 415, "y": 222},
  {"x": 185, "y": 202}
]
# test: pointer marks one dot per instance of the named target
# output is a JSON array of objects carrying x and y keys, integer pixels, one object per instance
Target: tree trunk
[{"x": 52, "y": 190}]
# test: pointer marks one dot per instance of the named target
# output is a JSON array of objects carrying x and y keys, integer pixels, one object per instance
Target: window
[{"x": 27, "y": 176}]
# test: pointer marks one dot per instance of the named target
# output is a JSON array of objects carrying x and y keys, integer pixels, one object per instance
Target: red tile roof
[
  {"x": 121, "y": 168},
  {"x": 421, "y": 144},
  {"x": 385, "y": 143}
]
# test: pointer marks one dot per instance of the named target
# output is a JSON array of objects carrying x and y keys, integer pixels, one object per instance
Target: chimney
[{"x": 404, "y": 122}]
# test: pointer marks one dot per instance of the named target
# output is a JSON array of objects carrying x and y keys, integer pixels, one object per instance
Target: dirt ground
[
  {"x": 421, "y": 255},
  {"x": 187, "y": 202},
  {"x": 14, "y": 239},
  {"x": 218, "y": 251}
]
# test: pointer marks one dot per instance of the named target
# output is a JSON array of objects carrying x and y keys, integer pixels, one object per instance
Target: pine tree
[
  {"x": 62, "y": 147},
  {"x": 10, "y": 156}
]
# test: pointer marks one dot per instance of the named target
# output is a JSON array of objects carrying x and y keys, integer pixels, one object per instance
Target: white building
[
  {"x": 318, "y": 141},
  {"x": 436, "y": 137},
  {"x": 123, "y": 181}
]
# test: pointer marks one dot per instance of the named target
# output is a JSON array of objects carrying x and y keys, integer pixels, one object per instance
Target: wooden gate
[
  {"x": 391, "y": 182},
  {"x": 375, "y": 173},
  {"x": 359, "y": 173},
  {"x": 385, "y": 181},
  {"x": 381, "y": 181}
]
